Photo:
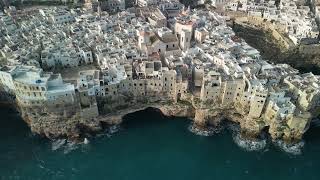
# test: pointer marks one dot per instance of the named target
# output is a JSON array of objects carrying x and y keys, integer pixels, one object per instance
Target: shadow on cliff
[
  {"x": 313, "y": 134},
  {"x": 15, "y": 134},
  {"x": 274, "y": 51},
  {"x": 144, "y": 118}
]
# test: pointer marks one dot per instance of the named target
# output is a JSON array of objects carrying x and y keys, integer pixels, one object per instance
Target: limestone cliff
[
  {"x": 68, "y": 121},
  {"x": 304, "y": 57},
  {"x": 54, "y": 126},
  {"x": 68, "y": 124}
]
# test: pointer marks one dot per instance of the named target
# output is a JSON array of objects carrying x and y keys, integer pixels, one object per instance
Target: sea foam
[
  {"x": 63, "y": 144},
  {"x": 249, "y": 145},
  {"x": 109, "y": 131},
  {"x": 294, "y": 149},
  {"x": 246, "y": 144},
  {"x": 69, "y": 147},
  {"x": 208, "y": 131},
  {"x": 57, "y": 144}
]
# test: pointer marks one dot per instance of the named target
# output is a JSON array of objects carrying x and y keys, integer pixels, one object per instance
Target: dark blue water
[{"x": 149, "y": 147}]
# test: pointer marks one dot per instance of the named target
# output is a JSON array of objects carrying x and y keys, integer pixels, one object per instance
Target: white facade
[{"x": 61, "y": 18}]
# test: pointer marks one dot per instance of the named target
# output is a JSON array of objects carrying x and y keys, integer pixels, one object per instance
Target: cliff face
[
  {"x": 74, "y": 126},
  {"x": 6, "y": 98},
  {"x": 53, "y": 125},
  {"x": 250, "y": 128},
  {"x": 303, "y": 57},
  {"x": 69, "y": 121}
]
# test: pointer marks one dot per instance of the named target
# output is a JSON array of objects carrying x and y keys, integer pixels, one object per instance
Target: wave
[
  {"x": 63, "y": 144},
  {"x": 109, "y": 131},
  {"x": 207, "y": 131},
  {"x": 70, "y": 146},
  {"x": 246, "y": 144},
  {"x": 261, "y": 144},
  {"x": 294, "y": 149},
  {"x": 249, "y": 145},
  {"x": 113, "y": 129},
  {"x": 57, "y": 144}
]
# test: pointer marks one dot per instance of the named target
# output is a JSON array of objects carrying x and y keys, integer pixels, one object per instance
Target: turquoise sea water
[{"x": 148, "y": 146}]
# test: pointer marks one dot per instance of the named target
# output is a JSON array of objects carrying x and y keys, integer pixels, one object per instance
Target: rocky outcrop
[
  {"x": 304, "y": 57},
  {"x": 53, "y": 127},
  {"x": 75, "y": 127},
  {"x": 250, "y": 128}
]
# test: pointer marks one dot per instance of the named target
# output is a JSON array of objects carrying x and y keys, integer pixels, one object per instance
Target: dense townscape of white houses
[{"x": 164, "y": 52}]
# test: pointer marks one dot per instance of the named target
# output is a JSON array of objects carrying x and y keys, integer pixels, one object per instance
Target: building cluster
[{"x": 163, "y": 53}]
